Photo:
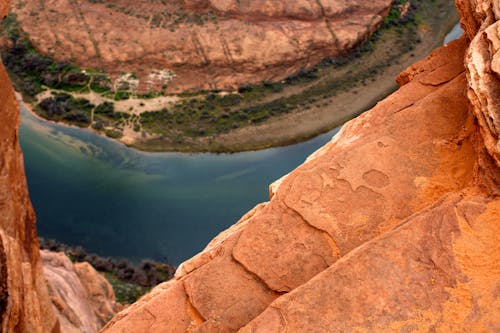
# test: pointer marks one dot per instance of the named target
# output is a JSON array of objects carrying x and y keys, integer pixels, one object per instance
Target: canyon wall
[
  {"x": 24, "y": 300},
  {"x": 83, "y": 299},
  {"x": 195, "y": 45},
  {"x": 483, "y": 68},
  {"x": 79, "y": 300},
  {"x": 394, "y": 225}
]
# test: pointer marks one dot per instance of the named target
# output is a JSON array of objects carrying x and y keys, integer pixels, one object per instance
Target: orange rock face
[
  {"x": 195, "y": 45},
  {"x": 483, "y": 73},
  {"x": 4, "y": 8},
  {"x": 82, "y": 298},
  {"x": 24, "y": 302},
  {"x": 437, "y": 272},
  {"x": 392, "y": 226}
]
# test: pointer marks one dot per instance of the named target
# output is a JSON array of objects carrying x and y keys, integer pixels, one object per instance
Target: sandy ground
[{"x": 131, "y": 105}]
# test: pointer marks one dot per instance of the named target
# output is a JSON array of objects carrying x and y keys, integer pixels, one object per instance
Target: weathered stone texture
[{"x": 392, "y": 226}]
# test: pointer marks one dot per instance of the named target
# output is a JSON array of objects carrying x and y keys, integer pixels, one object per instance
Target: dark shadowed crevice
[{"x": 4, "y": 292}]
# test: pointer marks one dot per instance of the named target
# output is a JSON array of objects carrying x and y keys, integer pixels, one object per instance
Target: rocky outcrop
[
  {"x": 392, "y": 226},
  {"x": 270, "y": 9},
  {"x": 438, "y": 272},
  {"x": 24, "y": 301},
  {"x": 196, "y": 45},
  {"x": 82, "y": 298},
  {"x": 4, "y": 8},
  {"x": 483, "y": 70}
]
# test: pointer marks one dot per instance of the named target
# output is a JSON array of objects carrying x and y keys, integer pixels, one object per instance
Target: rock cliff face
[
  {"x": 83, "y": 299},
  {"x": 392, "y": 226},
  {"x": 24, "y": 301},
  {"x": 483, "y": 69},
  {"x": 171, "y": 43}
]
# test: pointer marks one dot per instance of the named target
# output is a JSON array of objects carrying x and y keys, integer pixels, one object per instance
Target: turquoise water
[{"x": 117, "y": 201}]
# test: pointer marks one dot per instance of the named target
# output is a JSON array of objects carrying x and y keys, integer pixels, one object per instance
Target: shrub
[
  {"x": 106, "y": 108},
  {"x": 122, "y": 95},
  {"x": 113, "y": 134}
]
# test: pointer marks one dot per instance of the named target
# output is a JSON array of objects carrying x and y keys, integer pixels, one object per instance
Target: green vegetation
[
  {"x": 106, "y": 109},
  {"x": 113, "y": 134},
  {"x": 108, "y": 121},
  {"x": 122, "y": 95},
  {"x": 125, "y": 292},
  {"x": 150, "y": 95},
  {"x": 394, "y": 17},
  {"x": 34, "y": 70},
  {"x": 65, "y": 107},
  {"x": 100, "y": 83},
  {"x": 129, "y": 281}
]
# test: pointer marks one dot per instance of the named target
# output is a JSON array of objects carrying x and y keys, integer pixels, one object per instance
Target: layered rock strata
[
  {"x": 24, "y": 300},
  {"x": 483, "y": 68},
  {"x": 196, "y": 45},
  {"x": 392, "y": 226},
  {"x": 82, "y": 298}
]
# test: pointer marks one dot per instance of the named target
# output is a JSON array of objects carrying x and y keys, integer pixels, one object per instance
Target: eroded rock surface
[
  {"x": 195, "y": 45},
  {"x": 392, "y": 226},
  {"x": 24, "y": 301},
  {"x": 483, "y": 70},
  {"x": 437, "y": 272},
  {"x": 78, "y": 293},
  {"x": 82, "y": 298}
]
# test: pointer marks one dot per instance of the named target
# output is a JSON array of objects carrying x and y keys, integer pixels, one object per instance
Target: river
[
  {"x": 456, "y": 32},
  {"x": 116, "y": 201}
]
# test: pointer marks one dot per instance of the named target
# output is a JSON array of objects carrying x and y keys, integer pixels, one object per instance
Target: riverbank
[{"x": 275, "y": 114}]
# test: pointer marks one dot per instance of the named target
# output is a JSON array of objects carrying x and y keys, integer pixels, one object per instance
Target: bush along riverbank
[
  {"x": 129, "y": 281},
  {"x": 201, "y": 121}
]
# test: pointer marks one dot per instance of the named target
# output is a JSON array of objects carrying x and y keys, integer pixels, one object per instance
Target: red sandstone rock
[
  {"x": 4, "y": 8},
  {"x": 24, "y": 301},
  {"x": 82, "y": 298},
  {"x": 242, "y": 42},
  {"x": 382, "y": 229},
  {"x": 483, "y": 64},
  {"x": 439, "y": 272},
  {"x": 392, "y": 226}
]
